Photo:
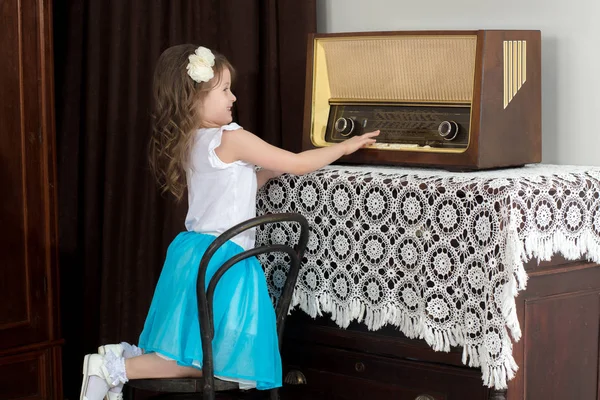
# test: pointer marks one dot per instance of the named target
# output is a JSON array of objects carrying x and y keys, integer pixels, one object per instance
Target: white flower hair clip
[{"x": 200, "y": 66}]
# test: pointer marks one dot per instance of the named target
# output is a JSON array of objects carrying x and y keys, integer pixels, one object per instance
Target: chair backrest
[{"x": 205, "y": 297}]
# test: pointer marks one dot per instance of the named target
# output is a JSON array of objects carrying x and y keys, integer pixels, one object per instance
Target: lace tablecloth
[{"x": 437, "y": 254}]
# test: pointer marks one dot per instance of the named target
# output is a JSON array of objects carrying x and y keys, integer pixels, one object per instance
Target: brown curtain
[{"x": 114, "y": 226}]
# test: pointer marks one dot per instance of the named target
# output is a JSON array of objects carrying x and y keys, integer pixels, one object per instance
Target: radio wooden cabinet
[
  {"x": 452, "y": 99},
  {"x": 557, "y": 356},
  {"x": 30, "y": 343}
]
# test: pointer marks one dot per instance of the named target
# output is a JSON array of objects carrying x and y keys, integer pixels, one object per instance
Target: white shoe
[
  {"x": 113, "y": 396},
  {"x": 118, "y": 350},
  {"x": 93, "y": 365},
  {"x": 115, "y": 348}
]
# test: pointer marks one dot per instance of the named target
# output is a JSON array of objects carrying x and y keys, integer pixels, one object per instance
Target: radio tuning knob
[
  {"x": 448, "y": 130},
  {"x": 344, "y": 126}
]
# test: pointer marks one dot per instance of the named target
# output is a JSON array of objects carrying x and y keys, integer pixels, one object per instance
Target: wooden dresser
[
  {"x": 30, "y": 340},
  {"x": 559, "y": 313}
]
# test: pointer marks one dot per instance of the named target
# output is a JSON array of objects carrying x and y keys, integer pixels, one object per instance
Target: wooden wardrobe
[{"x": 30, "y": 341}]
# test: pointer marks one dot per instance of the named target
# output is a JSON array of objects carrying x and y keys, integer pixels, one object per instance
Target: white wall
[{"x": 570, "y": 54}]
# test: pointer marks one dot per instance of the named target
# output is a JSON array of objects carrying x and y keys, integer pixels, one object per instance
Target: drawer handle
[
  {"x": 359, "y": 367},
  {"x": 424, "y": 397},
  {"x": 295, "y": 377}
]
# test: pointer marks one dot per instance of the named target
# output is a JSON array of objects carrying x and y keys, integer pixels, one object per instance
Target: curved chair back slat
[{"x": 205, "y": 294}]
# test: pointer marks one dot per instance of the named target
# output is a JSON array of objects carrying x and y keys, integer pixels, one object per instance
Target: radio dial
[
  {"x": 344, "y": 126},
  {"x": 448, "y": 130}
]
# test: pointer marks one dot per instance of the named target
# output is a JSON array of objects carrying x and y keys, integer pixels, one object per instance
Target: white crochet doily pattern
[{"x": 437, "y": 254}]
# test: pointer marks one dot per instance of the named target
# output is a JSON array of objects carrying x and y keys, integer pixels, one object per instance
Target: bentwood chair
[{"x": 206, "y": 387}]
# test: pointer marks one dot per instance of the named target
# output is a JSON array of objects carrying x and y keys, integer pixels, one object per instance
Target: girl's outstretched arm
[{"x": 243, "y": 145}]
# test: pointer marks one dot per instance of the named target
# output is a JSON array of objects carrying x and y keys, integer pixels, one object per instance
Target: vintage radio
[{"x": 453, "y": 99}]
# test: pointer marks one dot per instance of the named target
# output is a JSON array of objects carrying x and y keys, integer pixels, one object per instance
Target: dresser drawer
[{"x": 340, "y": 374}]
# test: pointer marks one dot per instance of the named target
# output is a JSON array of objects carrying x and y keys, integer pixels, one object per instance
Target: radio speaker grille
[{"x": 406, "y": 68}]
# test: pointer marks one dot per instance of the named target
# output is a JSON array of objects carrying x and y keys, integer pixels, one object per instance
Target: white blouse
[{"x": 220, "y": 195}]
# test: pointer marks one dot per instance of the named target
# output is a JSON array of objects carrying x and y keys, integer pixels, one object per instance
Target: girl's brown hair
[{"x": 175, "y": 116}]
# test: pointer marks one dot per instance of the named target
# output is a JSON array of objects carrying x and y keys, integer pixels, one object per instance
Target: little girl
[{"x": 195, "y": 145}]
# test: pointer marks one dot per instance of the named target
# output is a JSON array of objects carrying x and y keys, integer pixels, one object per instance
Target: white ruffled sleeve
[{"x": 215, "y": 142}]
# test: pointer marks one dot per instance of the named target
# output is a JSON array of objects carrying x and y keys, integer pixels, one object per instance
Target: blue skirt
[{"x": 245, "y": 346}]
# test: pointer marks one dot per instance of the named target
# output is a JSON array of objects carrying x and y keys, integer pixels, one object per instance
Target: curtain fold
[{"x": 114, "y": 225}]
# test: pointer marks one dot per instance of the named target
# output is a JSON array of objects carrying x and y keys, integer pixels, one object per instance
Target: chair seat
[{"x": 180, "y": 385}]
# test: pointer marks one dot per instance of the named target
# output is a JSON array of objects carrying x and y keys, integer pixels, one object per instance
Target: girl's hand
[{"x": 358, "y": 142}]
